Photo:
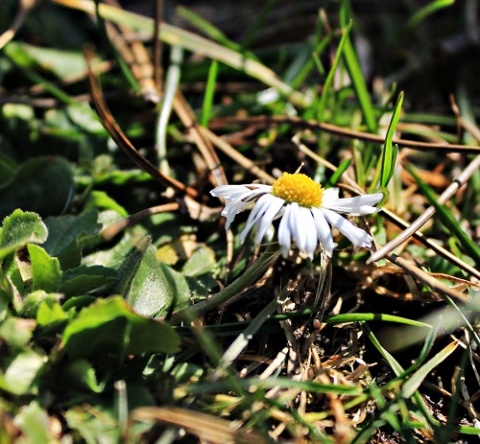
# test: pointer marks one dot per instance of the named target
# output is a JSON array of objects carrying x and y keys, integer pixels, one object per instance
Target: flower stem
[{"x": 252, "y": 274}]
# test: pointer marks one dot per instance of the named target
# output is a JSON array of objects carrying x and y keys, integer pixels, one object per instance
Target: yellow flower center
[{"x": 298, "y": 188}]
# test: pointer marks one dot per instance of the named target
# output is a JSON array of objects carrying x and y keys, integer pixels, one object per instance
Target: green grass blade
[
  {"x": 175, "y": 36},
  {"x": 261, "y": 19},
  {"x": 389, "y": 153},
  {"x": 413, "y": 383},
  {"x": 363, "y": 317},
  {"x": 427, "y": 10},
  {"x": 358, "y": 79},
  {"x": 339, "y": 171},
  {"x": 124, "y": 67},
  {"x": 394, "y": 364},
  {"x": 265, "y": 384},
  {"x": 331, "y": 74},
  {"x": 448, "y": 218},
  {"x": 209, "y": 93},
  {"x": 206, "y": 28}
]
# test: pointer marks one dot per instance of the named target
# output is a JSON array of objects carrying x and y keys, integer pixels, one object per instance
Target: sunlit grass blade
[
  {"x": 284, "y": 383},
  {"x": 474, "y": 306},
  {"x": 389, "y": 153},
  {"x": 331, "y": 74},
  {"x": 358, "y": 80},
  {"x": 399, "y": 371},
  {"x": 426, "y": 11},
  {"x": 339, "y": 171},
  {"x": 456, "y": 398},
  {"x": 171, "y": 84},
  {"x": 413, "y": 383},
  {"x": 209, "y": 93},
  {"x": 392, "y": 362},
  {"x": 359, "y": 317},
  {"x": 206, "y": 27},
  {"x": 124, "y": 67},
  {"x": 192, "y": 42},
  {"x": 448, "y": 219},
  {"x": 261, "y": 19},
  {"x": 308, "y": 57}
]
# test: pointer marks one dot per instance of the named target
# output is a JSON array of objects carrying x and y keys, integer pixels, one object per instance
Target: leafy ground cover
[{"x": 129, "y": 314}]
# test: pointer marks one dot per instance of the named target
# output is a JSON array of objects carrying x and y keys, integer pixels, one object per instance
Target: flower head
[{"x": 306, "y": 211}]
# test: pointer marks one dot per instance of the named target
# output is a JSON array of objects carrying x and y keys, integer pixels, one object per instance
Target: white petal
[
  {"x": 284, "y": 232},
  {"x": 358, "y": 205},
  {"x": 296, "y": 221},
  {"x": 311, "y": 233},
  {"x": 238, "y": 198},
  {"x": 324, "y": 232},
  {"x": 232, "y": 209},
  {"x": 330, "y": 195},
  {"x": 232, "y": 191},
  {"x": 228, "y": 191},
  {"x": 255, "y": 215},
  {"x": 271, "y": 212},
  {"x": 356, "y": 235}
]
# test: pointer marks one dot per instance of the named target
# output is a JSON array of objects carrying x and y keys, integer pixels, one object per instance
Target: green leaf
[
  {"x": 50, "y": 312},
  {"x": 82, "y": 375},
  {"x": 83, "y": 280},
  {"x": 18, "y": 230},
  {"x": 98, "y": 422},
  {"x": 34, "y": 424},
  {"x": 200, "y": 262},
  {"x": 61, "y": 63},
  {"x": 17, "y": 332},
  {"x": 20, "y": 375},
  {"x": 66, "y": 233},
  {"x": 76, "y": 303},
  {"x": 46, "y": 271},
  {"x": 108, "y": 327},
  {"x": 198, "y": 271},
  {"x": 156, "y": 288},
  {"x": 91, "y": 424},
  {"x": 32, "y": 302},
  {"x": 41, "y": 184},
  {"x": 7, "y": 169},
  {"x": 130, "y": 265},
  {"x": 102, "y": 201}
]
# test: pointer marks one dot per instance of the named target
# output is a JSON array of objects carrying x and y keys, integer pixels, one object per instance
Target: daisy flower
[{"x": 305, "y": 209}]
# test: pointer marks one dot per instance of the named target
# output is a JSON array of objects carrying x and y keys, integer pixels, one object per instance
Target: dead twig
[{"x": 342, "y": 132}]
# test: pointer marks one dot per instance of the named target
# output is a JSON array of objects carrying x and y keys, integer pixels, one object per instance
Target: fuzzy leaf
[
  {"x": 156, "y": 287},
  {"x": 83, "y": 280},
  {"x": 46, "y": 271},
  {"x": 19, "y": 229},
  {"x": 41, "y": 184},
  {"x": 19, "y": 377},
  {"x": 50, "y": 312},
  {"x": 110, "y": 327},
  {"x": 34, "y": 423},
  {"x": 65, "y": 233}
]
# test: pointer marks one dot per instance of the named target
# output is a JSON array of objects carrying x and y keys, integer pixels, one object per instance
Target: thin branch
[{"x": 343, "y": 132}]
